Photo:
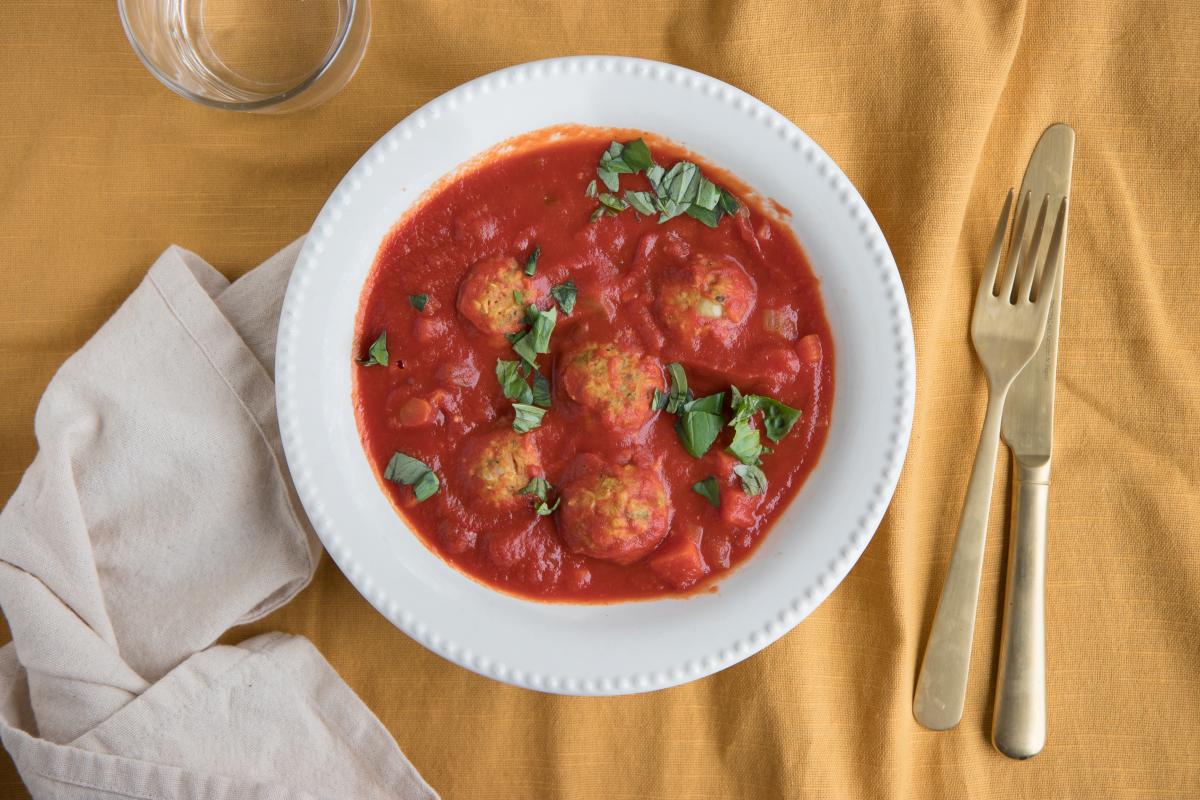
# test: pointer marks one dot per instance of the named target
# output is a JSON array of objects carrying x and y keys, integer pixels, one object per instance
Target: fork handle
[
  {"x": 942, "y": 682},
  {"x": 1019, "y": 721}
]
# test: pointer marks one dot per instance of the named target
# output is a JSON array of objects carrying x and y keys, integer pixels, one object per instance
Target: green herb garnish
[
  {"x": 754, "y": 482},
  {"x": 747, "y": 443},
  {"x": 512, "y": 383},
  {"x": 418, "y": 301},
  {"x": 408, "y": 471},
  {"x": 709, "y": 490},
  {"x": 682, "y": 189},
  {"x": 642, "y": 202},
  {"x": 540, "y": 488},
  {"x": 778, "y": 418},
  {"x": 541, "y": 390},
  {"x": 564, "y": 294},
  {"x": 536, "y": 339},
  {"x": 622, "y": 158},
  {"x": 700, "y": 423},
  {"x": 537, "y": 486},
  {"x": 679, "y": 388},
  {"x": 377, "y": 354},
  {"x": 611, "y": 203},
  {"x": 531, "y": 263},
  {"x": 527, "y": 417}
]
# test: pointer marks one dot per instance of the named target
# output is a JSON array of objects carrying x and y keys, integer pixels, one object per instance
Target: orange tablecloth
[{"x": 932, "y": 111}]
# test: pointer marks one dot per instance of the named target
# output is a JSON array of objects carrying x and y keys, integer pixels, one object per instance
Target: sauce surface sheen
[{"x": 439, "y": 399}]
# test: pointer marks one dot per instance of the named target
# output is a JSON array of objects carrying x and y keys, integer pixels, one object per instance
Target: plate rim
[{"x": 778, "y": 621}]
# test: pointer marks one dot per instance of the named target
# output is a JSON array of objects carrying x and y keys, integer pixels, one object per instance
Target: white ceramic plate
[{"x": 625, "y": 647}]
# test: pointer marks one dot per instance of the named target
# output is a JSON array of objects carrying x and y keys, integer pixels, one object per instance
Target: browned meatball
[
  {"x": 495, "y": 293},
  {"x": 496, "y": 466},
  {"x": 616, "y": 383},
  {"x": 617, "y": 512},
  {"x": 711, "y": 296}
]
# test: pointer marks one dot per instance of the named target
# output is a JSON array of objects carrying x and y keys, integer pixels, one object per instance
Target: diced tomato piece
[
  {"x": 747, "y": 231},
  {"x": 809, "y": 349},
  {"x": 716, "y": 549},
  {"x": 415, "y": 413},
  {"x": 738, "y": 508},
  {"x": 429, "y": 329},
  {"x": 679, "y": 561}
]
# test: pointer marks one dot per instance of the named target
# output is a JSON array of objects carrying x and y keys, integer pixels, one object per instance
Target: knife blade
[{"x": 1019, "y": 721}]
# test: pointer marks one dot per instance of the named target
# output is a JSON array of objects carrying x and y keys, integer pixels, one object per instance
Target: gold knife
[{"x": 1019, "y": 721}]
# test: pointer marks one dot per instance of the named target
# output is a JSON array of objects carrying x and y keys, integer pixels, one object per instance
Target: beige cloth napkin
[{"x": 158, "y": 514}]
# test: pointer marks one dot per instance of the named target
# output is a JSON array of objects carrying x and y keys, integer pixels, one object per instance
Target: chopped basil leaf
[
  {"x": 735, "y": 399},
  {"x": 609, "y": 178},
  {"x": 728, "y": 203},
  {"x": 418, "y": 301},
  {"x": 611, "y": 165},
  {"x": 700, "y": 422},
  {"x": 677, "y": 189},
  {"x": 508, "y": 373},
  {"x": 597, "y": 213},
  {"x": 527, "y": 417},
  {"x": 531, "y": 264},
  {"x": 537, "y": 486},
  {"x": 408, "y": 471},
  {"x": 707, "y": 216},
  {"x": 541, "y": 390},
  {"x": 642, "y": 202},
  {"x": 708, "y": 489},
  {"x": 655, "y": 175},
  {"x": 698, "y": 430},
  {"x": 544, "y": 510},
  {"x": 707, "y": 195},
  {"x": 637, "y": 155},
  {"x": 754, "y": 482},
  {"x": 518, "y": 297},
  {"x": 377, "y": 354},
  {"x": 612, "y": 203},
  {"x": 711, "y": 404},
  {"x": 746, "y": 444},
  {"x": 659, "y": 401},
  {"x": 590, "y": 191},
  {"x": 564, "y": 295},
  {"x": 679, "y": 388},
  {"x": 537, "y": 338},
  {"x": 778, "y": 418}
]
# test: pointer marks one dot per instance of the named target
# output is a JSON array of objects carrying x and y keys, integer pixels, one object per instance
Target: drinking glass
[{"x": 266, "y": 56}]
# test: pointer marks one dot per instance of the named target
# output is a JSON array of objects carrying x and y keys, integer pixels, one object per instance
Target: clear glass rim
[{"x": 342, "y": 36}]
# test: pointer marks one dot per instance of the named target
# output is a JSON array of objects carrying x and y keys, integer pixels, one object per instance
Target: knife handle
[{"x": 1019, "y": 721}]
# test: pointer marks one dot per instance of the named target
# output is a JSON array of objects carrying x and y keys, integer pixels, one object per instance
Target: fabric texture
[
  {"x": 157, "y": 514},
  {"x": 932, "y": 109}
]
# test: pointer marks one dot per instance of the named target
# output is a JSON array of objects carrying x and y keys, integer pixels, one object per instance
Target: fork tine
[
  {"x": 1014, "y": 251},
  {"x": 1054, "y": 259},
  {"x": 1029, "y": 269},
  {"x": 988, "y": 282}
]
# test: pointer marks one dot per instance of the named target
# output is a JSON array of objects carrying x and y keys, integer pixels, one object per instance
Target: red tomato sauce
[{"x": 439, "y": 397}]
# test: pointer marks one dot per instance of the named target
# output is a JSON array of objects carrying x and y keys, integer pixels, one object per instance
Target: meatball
[
  {"x": 711, "y": 296},
  {"x": 616, "y": 383},
  {"x": 496, "y": 466},
  {"x": 488, "y": 296},
  {"x": 615, "y": 512}
]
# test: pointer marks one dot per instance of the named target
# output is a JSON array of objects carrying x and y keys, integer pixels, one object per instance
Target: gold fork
[{"x": 1007, "y": 328}]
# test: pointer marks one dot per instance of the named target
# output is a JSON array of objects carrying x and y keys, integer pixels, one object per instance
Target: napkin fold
[{"x": 158, "y": 514}]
